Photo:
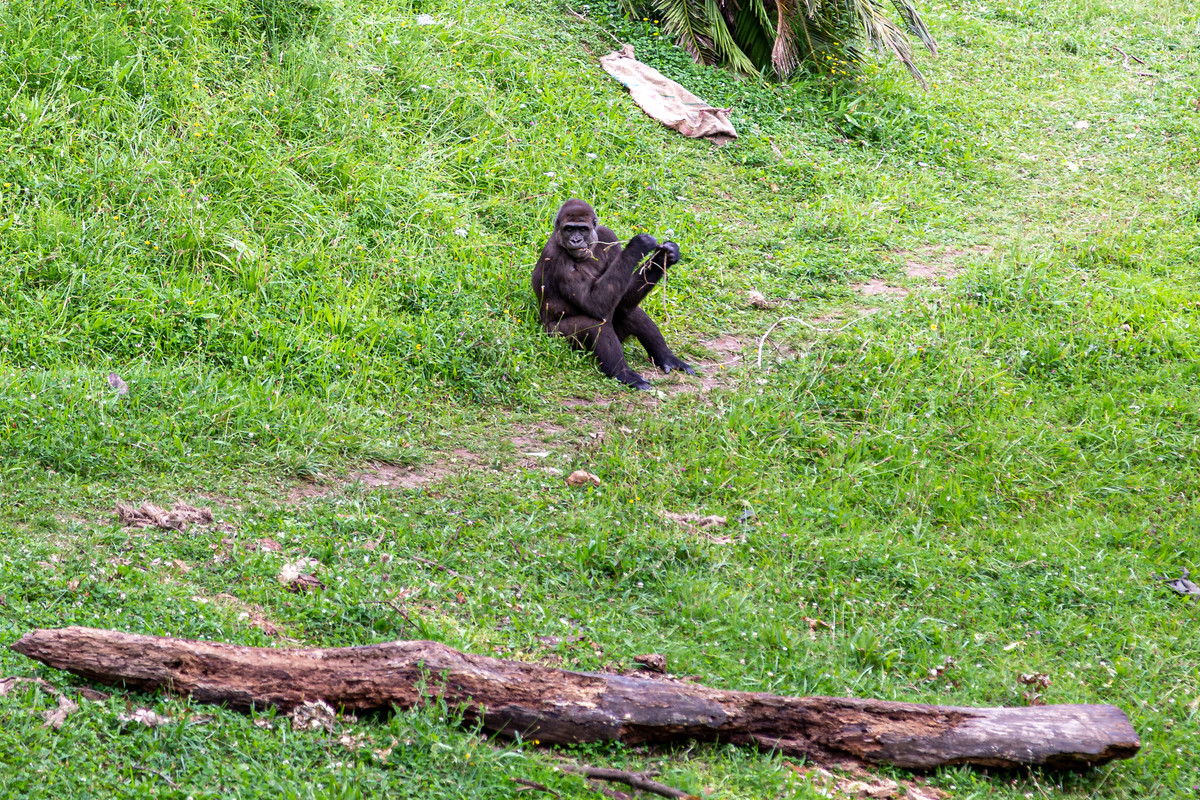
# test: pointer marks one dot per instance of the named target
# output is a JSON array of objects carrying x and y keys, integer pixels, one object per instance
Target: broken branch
[{"x": 561, "y": 707}]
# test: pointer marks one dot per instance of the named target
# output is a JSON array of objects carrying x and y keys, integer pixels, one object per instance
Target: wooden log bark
[{"x": 560, "y": 707}]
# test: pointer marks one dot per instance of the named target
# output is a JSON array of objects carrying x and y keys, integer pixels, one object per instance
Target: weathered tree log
[{"x": 560, "y": 707}]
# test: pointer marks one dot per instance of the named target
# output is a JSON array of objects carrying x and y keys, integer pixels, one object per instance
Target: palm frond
[
  {"x": 751, "y": 27},
  {"x": 785, "y": 55},
  {"x": 752, "y": 35},
  {"x": 916, "y": 26},
  {"x": 885, "y": 35},
  {"x": 723, "y": 40},
  {"x": 759, "y": 7},
  {"x": 686, "y": 22}
]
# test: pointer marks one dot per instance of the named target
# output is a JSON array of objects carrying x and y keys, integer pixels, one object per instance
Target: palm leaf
[
  {"x": 723, "y": 40},
  {"x": 785, "y": 55},
  {"x": 752, "y": 28},
  {"x": 686, "y": 22},
  {"x": 885, "y": 35},
  {"x": 750, "y": 35},
  {"x": 916, "y": 26}
]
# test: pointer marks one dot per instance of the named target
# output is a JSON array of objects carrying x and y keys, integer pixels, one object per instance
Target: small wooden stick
[
  {"x": 637, "y": 780},
  {"x": 537, "y": 787},
  {"x": 140, "y": 768},
  {"x": 439, "y": 567},
  {"x": 582, "y": 18},
  {"x": 1127, "y": 57},
  {"x": 600, "y": 788},
  {"x": 776, "y": 324}
]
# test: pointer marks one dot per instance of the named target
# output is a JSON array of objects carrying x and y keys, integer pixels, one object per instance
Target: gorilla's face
[
  {"x": 577, "y": 239},
  {"x": 576, "y": 229}
]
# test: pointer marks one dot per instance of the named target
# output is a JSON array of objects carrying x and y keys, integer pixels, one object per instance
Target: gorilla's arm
[{"x": 596, "y": 286}]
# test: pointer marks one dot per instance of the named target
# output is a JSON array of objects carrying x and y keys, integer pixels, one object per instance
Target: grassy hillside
[{"x": 301, "y": 234}]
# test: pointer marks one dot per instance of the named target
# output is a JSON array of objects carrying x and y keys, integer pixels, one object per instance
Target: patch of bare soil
[
  {"x": 712, "y": 372},
  {"x": 877, "y": 287},
  {"x": 934, "y": 264},
  {"x": 381, "y": 476},
  {"x": 535, "y": 437},
  {"x": 931, "y": 265}
]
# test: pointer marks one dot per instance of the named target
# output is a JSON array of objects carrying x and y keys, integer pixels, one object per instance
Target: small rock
[
  {"x": 582, "y": 478},
  {"x": 759, "y": 300},
  {"x": 654, "y": 662}
]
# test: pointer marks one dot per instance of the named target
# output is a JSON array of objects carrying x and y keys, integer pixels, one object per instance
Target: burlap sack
[{"x": 667, "y": 101}]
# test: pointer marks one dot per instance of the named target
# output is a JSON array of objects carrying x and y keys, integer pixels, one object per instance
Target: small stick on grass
[
  {"x": 1127, "y": 57},
  {"x": 140, "y": 768},
  {"x": 636, "y": 780},
  {"x": 439, "y": 567},
  {"x": 600, "y": 788},
  {"x": 534, "y": 785},
  {"x": 775, "y": 325},
  {"x": 582, "y": 18}
]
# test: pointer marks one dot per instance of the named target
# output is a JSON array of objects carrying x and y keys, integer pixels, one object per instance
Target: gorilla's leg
[
  {"x": 630, "y": 320},
  {"x": 589, "y": 333},
  {"x": 637, "y": 323}
]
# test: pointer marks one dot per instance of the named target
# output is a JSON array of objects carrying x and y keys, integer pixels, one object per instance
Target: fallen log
[{"x": 560, "y": 707}]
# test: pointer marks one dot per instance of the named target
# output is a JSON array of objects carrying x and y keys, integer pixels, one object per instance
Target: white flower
[
  {"x": 426, "y": 19},
  {"x": 591, "y": 155},
  {"x": 548, "y": 174},
  {"x": 460, "y": 232}
]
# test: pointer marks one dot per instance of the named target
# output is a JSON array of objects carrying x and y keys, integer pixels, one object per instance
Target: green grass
[{"x": 302, "y": 234}]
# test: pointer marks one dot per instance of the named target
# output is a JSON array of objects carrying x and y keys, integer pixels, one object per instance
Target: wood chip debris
[
  {"x": 144, "y": 716},
  {"x": 54, "y": 717},
  {"x": 315, "y": 715},
  {"x": 148, "y": 515},
  {"x": 862, "y": 785},
  {"x": 700, "y": 524},
  {"x": 1183, "y": 585},
  {"x": 759, "y": 300},
  {"x": 298, "y": 575}
]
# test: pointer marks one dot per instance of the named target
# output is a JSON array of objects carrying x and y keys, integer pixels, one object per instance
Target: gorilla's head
[{"x": 575, "y": 229}]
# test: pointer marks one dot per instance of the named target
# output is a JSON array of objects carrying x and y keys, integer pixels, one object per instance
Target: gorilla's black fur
[{"x": 588, "y": 288}]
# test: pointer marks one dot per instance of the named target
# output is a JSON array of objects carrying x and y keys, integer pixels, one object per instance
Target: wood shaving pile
[{"x": 148, "y": 515}]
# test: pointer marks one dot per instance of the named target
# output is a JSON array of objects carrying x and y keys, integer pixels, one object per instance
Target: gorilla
[{"x": 588, "y": 288}]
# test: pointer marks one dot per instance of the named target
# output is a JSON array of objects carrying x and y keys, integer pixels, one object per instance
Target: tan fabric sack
[{"x": 667, "y": 101}]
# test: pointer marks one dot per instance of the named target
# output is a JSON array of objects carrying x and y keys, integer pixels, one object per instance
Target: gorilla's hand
[
  {"x": 642, "y": 245},
  {"x": 670, "y": 252},
  {"x": 633, "y": 380},
  {"x": 671, "y": 362}
]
